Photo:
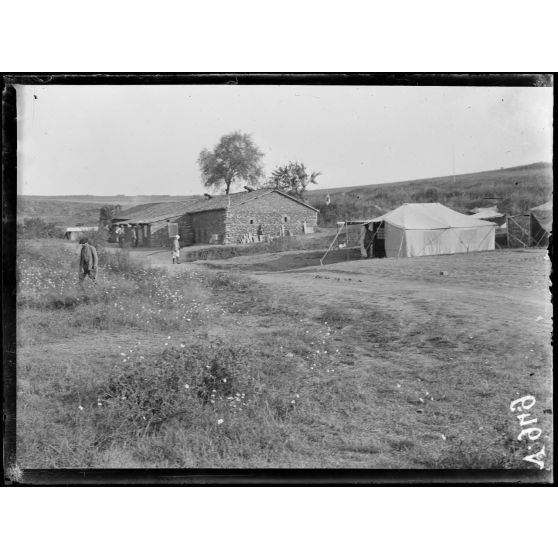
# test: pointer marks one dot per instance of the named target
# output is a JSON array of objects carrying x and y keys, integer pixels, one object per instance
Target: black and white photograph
[{"x": 275, "y": 272}]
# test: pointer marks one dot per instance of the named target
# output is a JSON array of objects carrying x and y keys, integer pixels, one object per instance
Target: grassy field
[{"x": 366, "y": 364}]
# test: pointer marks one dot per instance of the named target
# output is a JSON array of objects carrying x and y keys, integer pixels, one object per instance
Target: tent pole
[
  {"x": 401, "y": 244},
  {"x": 332, "y": 243}
]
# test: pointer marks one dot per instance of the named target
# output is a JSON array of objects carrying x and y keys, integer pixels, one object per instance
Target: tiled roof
[
  {"x": 222, "y": 202},
  {"x": 153, "y": 212}
]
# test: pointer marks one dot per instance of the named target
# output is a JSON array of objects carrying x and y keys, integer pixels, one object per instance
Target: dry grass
[{"x": 214, "y": 369}]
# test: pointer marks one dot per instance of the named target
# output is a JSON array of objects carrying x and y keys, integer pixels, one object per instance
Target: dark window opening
[
  {"x": 285, "y": 218},
  {"x": 251, "y": 221}
]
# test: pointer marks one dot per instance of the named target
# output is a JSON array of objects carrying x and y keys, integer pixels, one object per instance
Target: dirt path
[{"x": 502, "y": 287}]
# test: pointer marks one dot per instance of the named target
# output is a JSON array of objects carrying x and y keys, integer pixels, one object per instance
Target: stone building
[
  {"x": 246, "y": 217},
  {"x": 253, "y": 216}
]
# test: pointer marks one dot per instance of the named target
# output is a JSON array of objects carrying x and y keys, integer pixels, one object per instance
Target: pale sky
[{"x": 145, "y": 139}]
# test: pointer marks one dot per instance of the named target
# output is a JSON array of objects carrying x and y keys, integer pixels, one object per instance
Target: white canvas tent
[{"x": 427, "y": 229}]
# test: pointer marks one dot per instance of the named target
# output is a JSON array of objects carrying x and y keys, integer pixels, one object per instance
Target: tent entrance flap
[{"x": 379, "y": 240}]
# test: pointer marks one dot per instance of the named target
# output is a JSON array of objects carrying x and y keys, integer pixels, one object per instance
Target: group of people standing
[{"x": 129, "y": 235}]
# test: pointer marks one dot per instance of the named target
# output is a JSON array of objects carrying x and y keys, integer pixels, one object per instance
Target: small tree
[
  {"x": 235, "y": 158},
  {"x": 292, "y": 179},
  {"x": 106, "y": 214}
]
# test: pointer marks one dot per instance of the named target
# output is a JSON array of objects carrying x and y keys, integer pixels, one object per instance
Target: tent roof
[
  {"x": 486, "y": 212},
  {"x": 429, "y": 216},
  {"x": 238, "y": 198},
  {"x": 153, "y": 212},
  {"x": 544, "y": 207},
  {"x": 543, "y": 214}
]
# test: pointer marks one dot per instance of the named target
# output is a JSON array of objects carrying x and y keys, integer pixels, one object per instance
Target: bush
[
  {"x": 229, "y": 281},
  {"x": 118, "y": 261},
  {"x": 35, "y": 227},
  {"x": 178, "y": 384}
]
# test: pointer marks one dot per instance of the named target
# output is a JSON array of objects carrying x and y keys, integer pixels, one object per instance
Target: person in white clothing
[{"x": 176, "y": 250}]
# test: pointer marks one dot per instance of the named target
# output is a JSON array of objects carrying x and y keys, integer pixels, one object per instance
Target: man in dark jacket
[{"x": 88, "y": 261}]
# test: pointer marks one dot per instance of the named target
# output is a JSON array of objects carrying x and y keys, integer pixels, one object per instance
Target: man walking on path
[{"x": 88, "y": 261}]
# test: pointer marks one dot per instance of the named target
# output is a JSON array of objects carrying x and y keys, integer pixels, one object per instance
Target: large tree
[
  {"x": 292, "y": 178},
  {"x": 236, "y": 158}
]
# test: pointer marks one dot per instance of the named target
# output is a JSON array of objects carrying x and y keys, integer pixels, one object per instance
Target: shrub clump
[
  {"x": 182, "y": 383},
  {"x": 36, "y": 227}
]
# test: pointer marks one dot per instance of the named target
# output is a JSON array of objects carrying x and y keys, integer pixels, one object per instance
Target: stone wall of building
[
  {"x": 160, "y": 237},
  {"x": 270, "y": 215},
  {"x": 205, "y": 224}
]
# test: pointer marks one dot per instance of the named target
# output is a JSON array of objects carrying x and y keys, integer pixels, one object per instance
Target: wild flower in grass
[
  {"x": 220, "y": 421},
  {"x": 186, "y": 386},
  {"x": 80, "y": 408}
]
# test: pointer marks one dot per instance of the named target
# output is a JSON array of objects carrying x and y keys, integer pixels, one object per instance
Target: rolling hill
[
  {"x": 513, "y": 189},
  {"x": 68, "y": 211}
]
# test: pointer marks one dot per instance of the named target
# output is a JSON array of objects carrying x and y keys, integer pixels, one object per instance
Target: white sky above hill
[{"x": 144, "y": 140}]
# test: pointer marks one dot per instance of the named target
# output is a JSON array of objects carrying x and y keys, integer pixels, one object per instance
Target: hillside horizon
[
  {"x": 171, "y": 197},
  {"x": 450, "y": 177},
  {"x": 513, "y": 189}
]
